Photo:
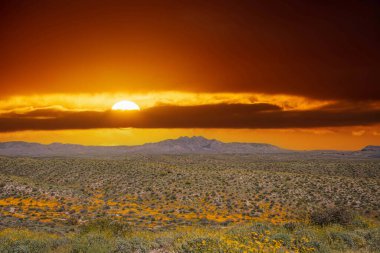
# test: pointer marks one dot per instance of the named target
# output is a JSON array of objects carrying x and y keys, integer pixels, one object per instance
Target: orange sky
[{"x": 299, "y": 75}]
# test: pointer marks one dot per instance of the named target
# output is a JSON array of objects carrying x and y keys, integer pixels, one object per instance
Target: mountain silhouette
[{"x": 182, "y": 145}]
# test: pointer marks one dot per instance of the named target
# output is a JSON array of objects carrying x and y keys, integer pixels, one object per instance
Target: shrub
[
  {"x": 318, "y": 247},
  {"x": 107, "y": 225},
  {"x": 164, "y": 242},
  {"x": 205, "y": 245},
  {"x": 15, "y": 240},
  {"x": 332, "y": 216},
  {"x": 284, "y": 238},
  {"x": 23, "y": 245},
  {"x": 341, "y": 241},
  {"x": 305, "y": 233},
  {"x": 373, "y": 240},
  {"x": 291, "y": 226},
  {"x": 135, "y": 245},
  {"x": 359, "y": 223},
  {"x": 260, "y": 228},
  {"x": 92, "y": 242}
]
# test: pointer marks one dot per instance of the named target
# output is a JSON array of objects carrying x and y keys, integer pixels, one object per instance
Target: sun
[{"x": 125, "y": 105}]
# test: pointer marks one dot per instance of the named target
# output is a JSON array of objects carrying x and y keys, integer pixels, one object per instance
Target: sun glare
[{"x": 125, "y": 105}]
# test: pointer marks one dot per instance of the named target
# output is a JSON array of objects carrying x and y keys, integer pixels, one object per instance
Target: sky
[{"x": 297, "y": 74}]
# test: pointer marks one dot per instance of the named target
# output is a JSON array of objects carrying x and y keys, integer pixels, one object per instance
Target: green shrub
[
  {"x": 23, "y": 245},
  {"x": 164, "y": 242},
  {"x": 319, "y": 247},
  {"x": 204, "y": 245},
  {"x": 135, "y": 245},
  {"x": 373, "y": 240},
  {"x": 359, "y": 223},
  {"x": 260, "y": 228},
  {"x": 21, "y": 241},
  {"x": 91, "y": 243},
  {"x": 305, "y": 233},
  {"x": 284, "y": 238},
  {"x": 106, "y": 225},
  {"x": 341, "y": 241},
  {"x": 346, "y": 240}
]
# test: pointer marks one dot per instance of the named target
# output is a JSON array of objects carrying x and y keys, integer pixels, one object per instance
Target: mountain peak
[
  {"x": 185, "y": 144},
  {"x": 192, "y": 138},
  {"x": 199, "y": 139}
]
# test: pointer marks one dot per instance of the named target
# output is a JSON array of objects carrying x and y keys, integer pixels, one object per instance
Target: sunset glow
[
  {"x": 125, "y": 105},
  {"x": 191, "y": 67}
]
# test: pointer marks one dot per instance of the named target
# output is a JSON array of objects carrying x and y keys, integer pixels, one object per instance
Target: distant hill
[
  {"x": 19, "y": 148},
  {"x": 371, "y": 151},
  {"x": 182, "y": 145},
  {"x": 371, "y": 148},
  {"x": 199, "y": 144}
]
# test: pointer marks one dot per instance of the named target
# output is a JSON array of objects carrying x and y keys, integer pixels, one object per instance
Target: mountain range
[{"x": 182, "y": 145}]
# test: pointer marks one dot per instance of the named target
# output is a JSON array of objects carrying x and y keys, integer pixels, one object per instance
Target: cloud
[
  {"x": 250, "y": 116},
  {"x": 325, "y": 50},
  {"x": 104, "y": 101},
  {"x": 358, "y": 133}
]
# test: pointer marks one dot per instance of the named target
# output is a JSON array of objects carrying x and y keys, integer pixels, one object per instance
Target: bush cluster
[{"x": 332, "y": 216}]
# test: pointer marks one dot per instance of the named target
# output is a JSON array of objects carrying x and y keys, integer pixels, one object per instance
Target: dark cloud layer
[
  {"x": 253, "y": 116},
  {"x": 320, "y": 49}
]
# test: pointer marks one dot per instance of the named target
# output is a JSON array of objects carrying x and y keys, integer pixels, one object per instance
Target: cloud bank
[
  {"x": 316, "y": 49},
  {"x": 250, "y": 116}
]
